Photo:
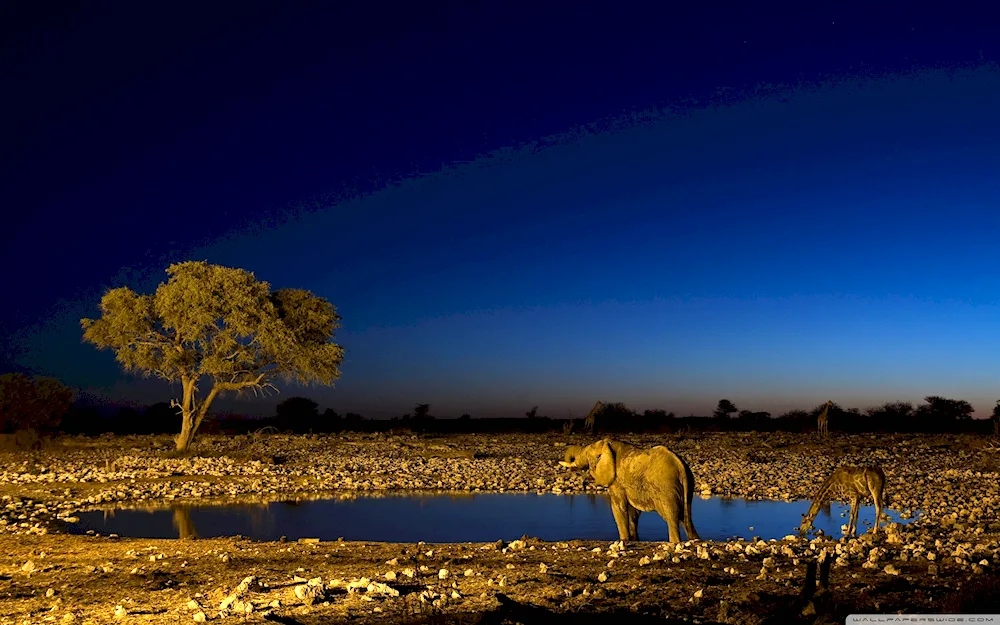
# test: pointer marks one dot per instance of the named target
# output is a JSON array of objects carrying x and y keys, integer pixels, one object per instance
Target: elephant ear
[{"x": 604, "y": 471}]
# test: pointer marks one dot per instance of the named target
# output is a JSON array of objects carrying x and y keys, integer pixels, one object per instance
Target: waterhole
[{"x": 480, "y": 517}]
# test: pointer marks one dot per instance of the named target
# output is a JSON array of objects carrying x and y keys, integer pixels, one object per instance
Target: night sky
[{"x": 519, "y": 204}]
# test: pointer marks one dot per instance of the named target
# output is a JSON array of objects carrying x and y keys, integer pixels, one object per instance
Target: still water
[{"x": 461, "y": 518}]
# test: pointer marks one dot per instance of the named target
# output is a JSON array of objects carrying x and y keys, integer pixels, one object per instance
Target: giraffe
[
  {"x": 823, "y": 420},
  {"x": 590, "y": 422},
  {"x": 851, "y": 484}
]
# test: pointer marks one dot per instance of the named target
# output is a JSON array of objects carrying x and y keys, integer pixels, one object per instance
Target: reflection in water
[
  {"x": 183, "y": 523},
  {"x": 464, "y": 517}
]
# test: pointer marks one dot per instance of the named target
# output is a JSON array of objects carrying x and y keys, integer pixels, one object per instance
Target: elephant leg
[
  {"x": 619, "y": 507},
  {"x": 633, "y": 522},
  {"x": 673, "y": 519},
  {"x": 674, "y": 529},
  {"x": 692, "y": 533}
]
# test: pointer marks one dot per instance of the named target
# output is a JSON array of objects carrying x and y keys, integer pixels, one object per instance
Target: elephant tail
[{"x": 688, "y": 496}]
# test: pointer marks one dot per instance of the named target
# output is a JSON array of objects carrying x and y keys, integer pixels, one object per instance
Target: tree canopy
[
  {"x": 724, "y": 409},
  {"x": 222, "y": 324}
]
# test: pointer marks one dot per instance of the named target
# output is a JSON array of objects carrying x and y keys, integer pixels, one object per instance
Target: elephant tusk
[{"x": 565, "y": 464}]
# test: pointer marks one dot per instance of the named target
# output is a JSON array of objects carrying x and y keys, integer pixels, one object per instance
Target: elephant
[{"x": 639, "y": 480}]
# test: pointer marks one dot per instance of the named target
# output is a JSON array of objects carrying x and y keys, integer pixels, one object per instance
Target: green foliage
[
  {"x": 220, "y": 323},
  {"x": 724, "y": 409},
  {"x": 36, "y": 403}
]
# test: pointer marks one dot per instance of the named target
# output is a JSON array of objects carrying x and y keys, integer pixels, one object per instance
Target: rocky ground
[{"x": 943, "y": 562}]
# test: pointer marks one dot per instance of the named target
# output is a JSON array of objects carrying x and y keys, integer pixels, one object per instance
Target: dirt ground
[{"x": 939, "y": 565}]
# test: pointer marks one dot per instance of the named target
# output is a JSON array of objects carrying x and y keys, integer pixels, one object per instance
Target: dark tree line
[{"x": 46, "y": 406}]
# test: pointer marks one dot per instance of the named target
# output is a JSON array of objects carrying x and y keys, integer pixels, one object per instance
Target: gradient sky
[{"x": 515, "y": 207}]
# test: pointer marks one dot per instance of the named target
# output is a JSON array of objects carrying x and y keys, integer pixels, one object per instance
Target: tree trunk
[
  {"x": 192, "y": 414},
  {"x": 188, "y": 428}
]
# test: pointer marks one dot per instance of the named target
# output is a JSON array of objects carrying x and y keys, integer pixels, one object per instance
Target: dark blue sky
[{"x": 518, "y": 206}]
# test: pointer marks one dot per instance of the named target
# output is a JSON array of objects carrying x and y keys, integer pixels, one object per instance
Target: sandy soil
[{"x": 942, "y": 562}]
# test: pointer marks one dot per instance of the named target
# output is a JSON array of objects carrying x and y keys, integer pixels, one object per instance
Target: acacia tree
[
  {"x": 209, "y": 322},
  {"x": 724, "y": 409}
]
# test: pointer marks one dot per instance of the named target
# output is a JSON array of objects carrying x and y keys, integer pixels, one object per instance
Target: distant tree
[
  {"x": 891, "y": 416},
  {"x": 750, "y": 415},
  {"x": 656, "y": 420},
  {"x": 421, "y": 411},
  {"x": 298, "y": 414},
  {"x": 995, "y": 417},
  {"x": 615, "y": 416},
  {"x": 615, "y": 409},
  {"x": 941, "y": 413},
  {"x": 533, "y": 413},
  {"x": 657, "y": 416},
  {"x": 32, "y": 403},
  {"x": 332, "y": 421},
  {"x": 724, "y": 409},
  {"x": 219, "y": 323},
  {"x": 795, "y": 415},
  {"x": 465, "y": 417},
  {"x": 795, "y": 421}
]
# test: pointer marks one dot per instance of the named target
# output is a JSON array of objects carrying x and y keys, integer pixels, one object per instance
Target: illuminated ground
[{"x": 953, "y": 480}]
